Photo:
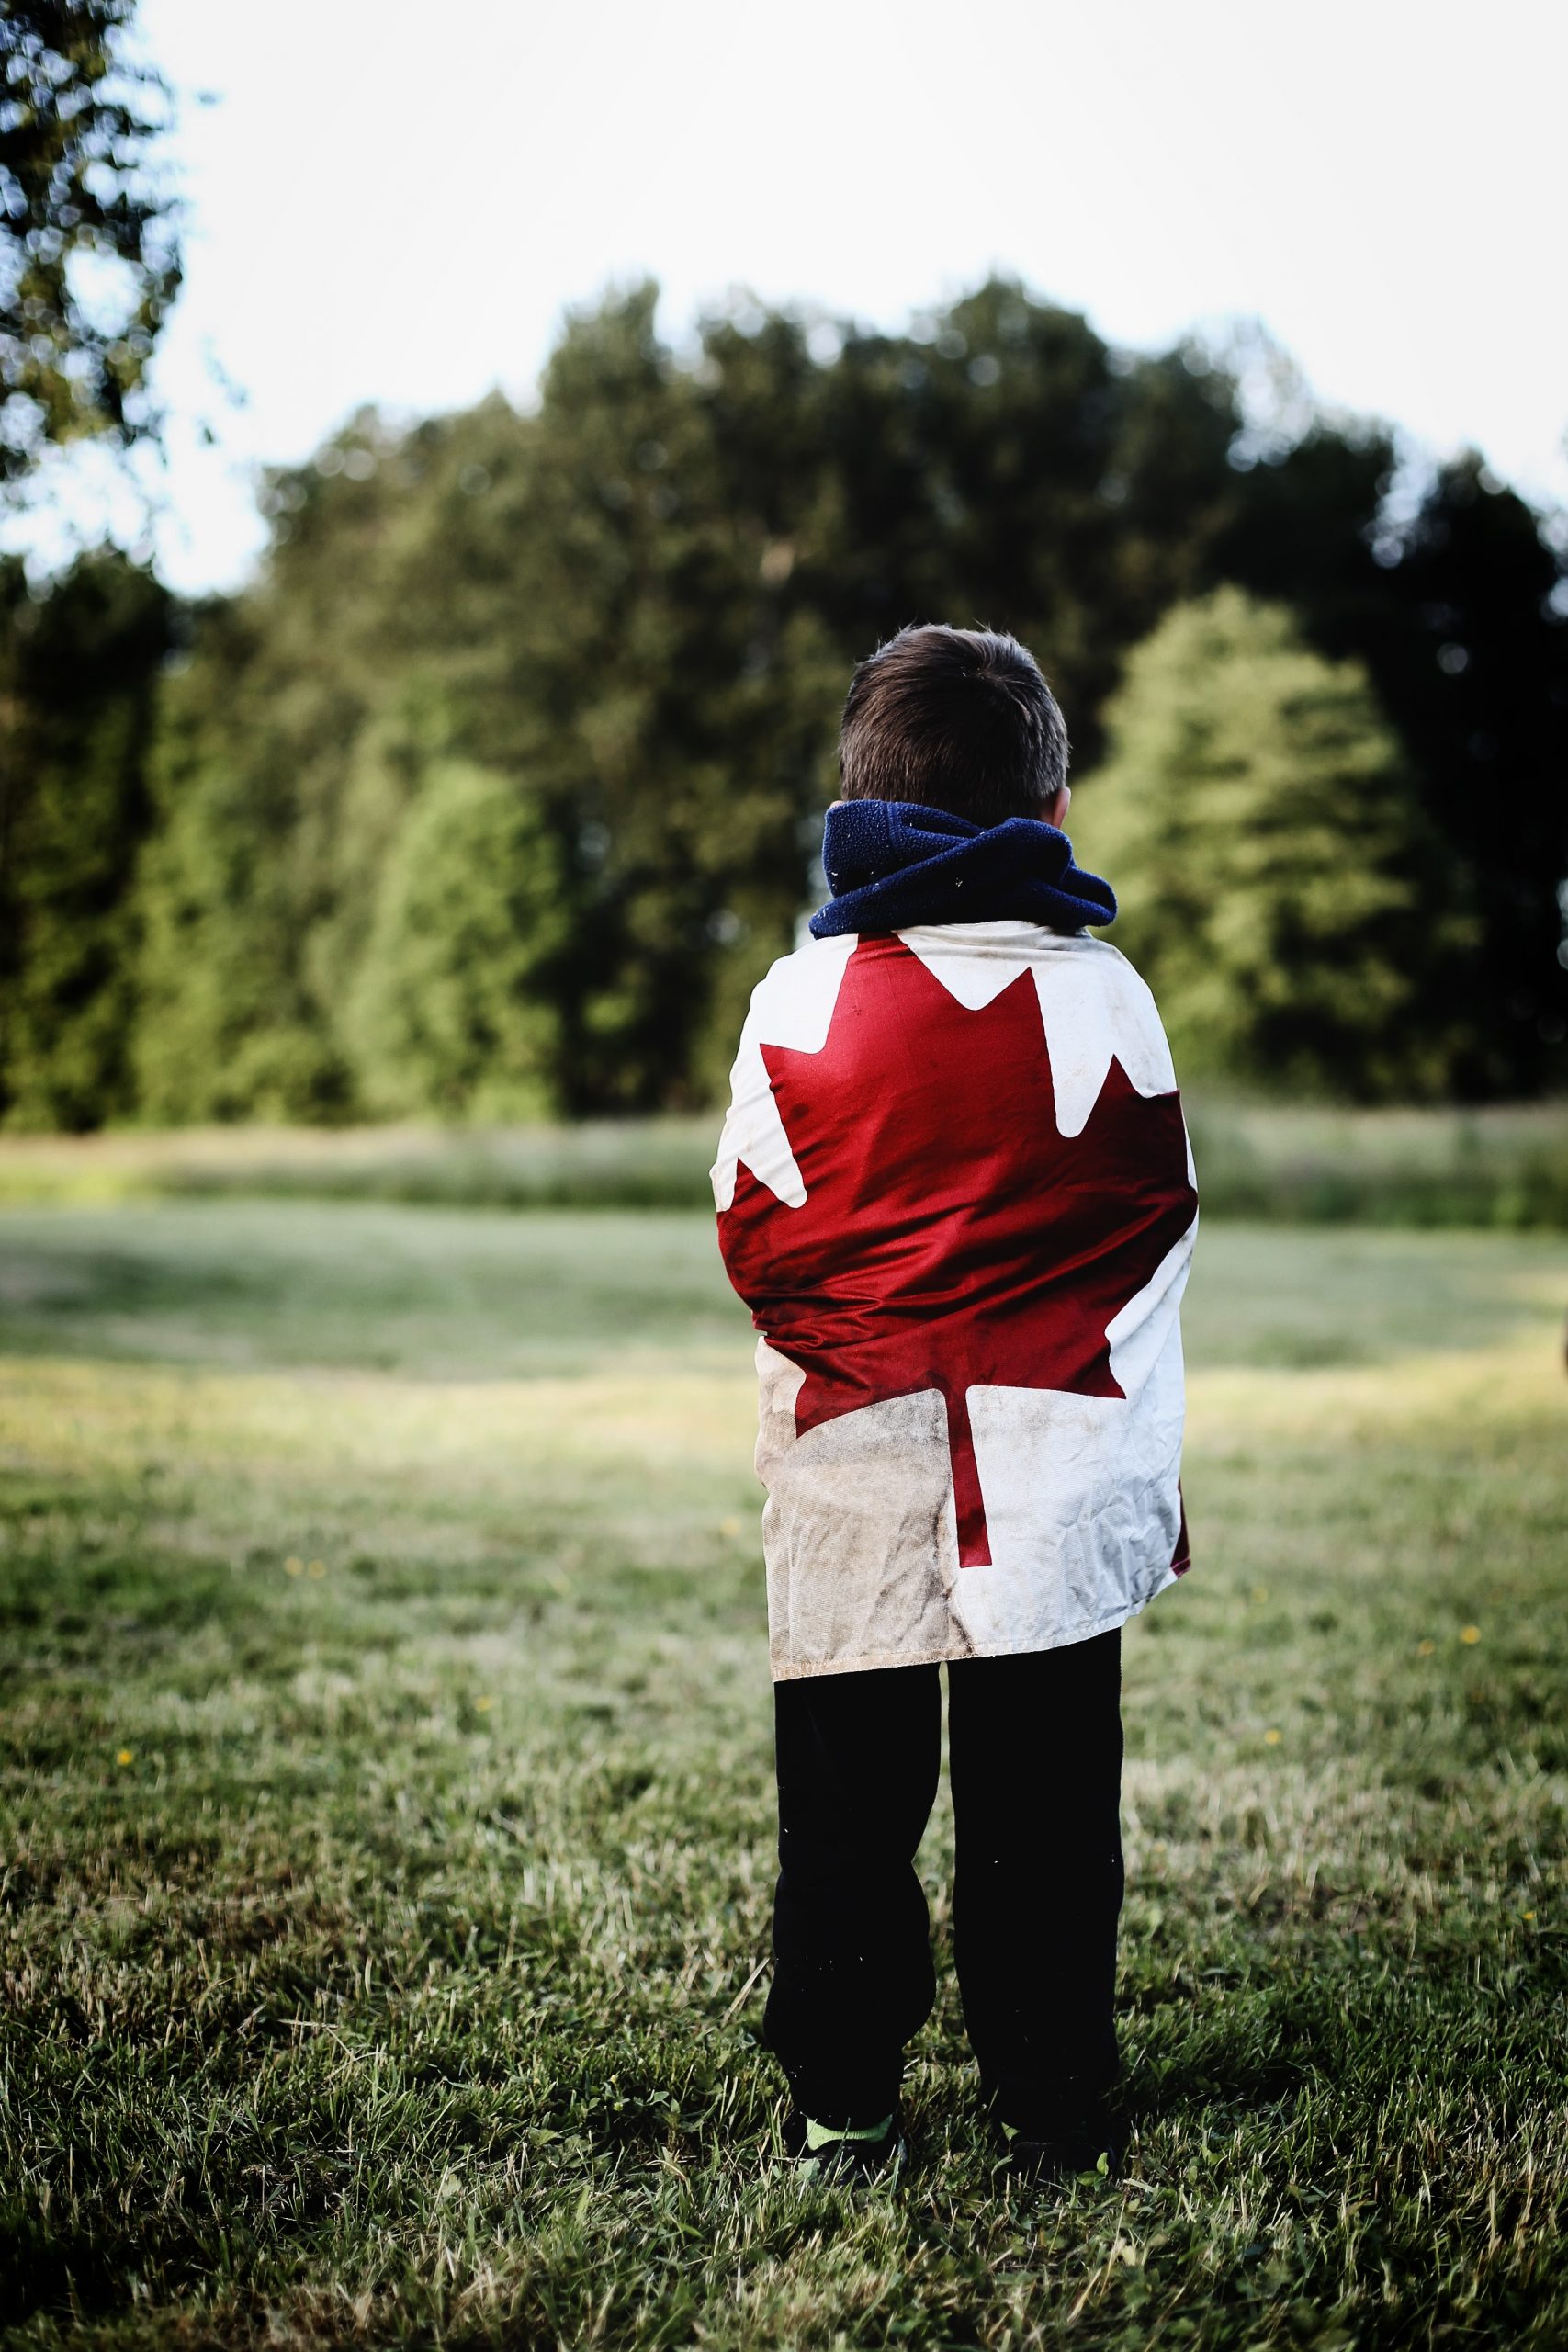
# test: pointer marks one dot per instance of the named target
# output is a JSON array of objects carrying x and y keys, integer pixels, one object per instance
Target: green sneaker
[{"x": 855, "y": 2155}]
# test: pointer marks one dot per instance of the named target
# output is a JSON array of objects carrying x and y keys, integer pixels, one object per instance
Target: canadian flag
[{"x": 954, "y": 1188}]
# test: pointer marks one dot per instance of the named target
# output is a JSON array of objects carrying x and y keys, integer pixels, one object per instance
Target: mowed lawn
[{"x": 385, "y": 1813}]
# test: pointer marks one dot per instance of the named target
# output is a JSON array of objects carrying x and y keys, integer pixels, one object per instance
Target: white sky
[{"x": 395, "y": 203}]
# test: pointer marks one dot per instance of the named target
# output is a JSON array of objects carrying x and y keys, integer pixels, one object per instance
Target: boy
[{"x": 954, "y": 1189}]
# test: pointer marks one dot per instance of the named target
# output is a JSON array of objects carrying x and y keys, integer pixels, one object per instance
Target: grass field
[
  {"x": 385, "y": 1813},
  {"x": 1504, "y": 1166}
]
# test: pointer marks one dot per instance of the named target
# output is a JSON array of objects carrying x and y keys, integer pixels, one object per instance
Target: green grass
[
  {"x": 385, "y": 1813},
  {"x": 1502, "y": 1167}
]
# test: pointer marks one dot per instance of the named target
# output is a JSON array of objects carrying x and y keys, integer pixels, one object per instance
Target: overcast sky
[{"x": 395, "y": 203}]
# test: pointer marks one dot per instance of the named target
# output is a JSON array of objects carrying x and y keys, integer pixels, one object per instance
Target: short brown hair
[{"x": 955, "y": 719}]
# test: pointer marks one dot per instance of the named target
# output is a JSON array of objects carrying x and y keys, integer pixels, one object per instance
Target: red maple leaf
[{"x": 952, "y": 1238}]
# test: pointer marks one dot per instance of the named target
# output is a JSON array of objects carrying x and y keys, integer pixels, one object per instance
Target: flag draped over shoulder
[{"x": 954, "y": 1189}]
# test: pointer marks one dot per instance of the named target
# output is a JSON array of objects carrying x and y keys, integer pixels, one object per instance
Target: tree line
[{"x": 497, "y": 789}]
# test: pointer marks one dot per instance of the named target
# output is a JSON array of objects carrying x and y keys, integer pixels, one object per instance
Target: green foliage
[
  {"x": 1474, "y": 674},
  {"x": 386, "y": 1800},
  {"x": 79, "y": 122},
  {"x": 690, "y": 709},
  {"x": 1458, "y": 616},
  {"x": 1279, "y": 886},
  {"x": 77, "y": 672},
  {"x": 227, "y": 1029},
  {"x": 455, "y": 999},
  {"x": 561, "y": 598},
  {"x": 643, "y": 600}
]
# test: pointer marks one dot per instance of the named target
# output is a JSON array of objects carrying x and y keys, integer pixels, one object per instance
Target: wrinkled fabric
[
  {"x": 892, "y": 863},
  {"x": 954, "y": 1189}
]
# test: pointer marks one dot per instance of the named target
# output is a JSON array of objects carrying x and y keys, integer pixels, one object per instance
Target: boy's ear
[{"x": 1058, "y": 806}]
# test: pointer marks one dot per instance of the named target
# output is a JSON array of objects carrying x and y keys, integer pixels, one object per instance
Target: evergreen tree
[
  {"x": 456, "y": 1007},
  {"x": 1279, "y": 887},
  {"x": 227, "y": 1029}
]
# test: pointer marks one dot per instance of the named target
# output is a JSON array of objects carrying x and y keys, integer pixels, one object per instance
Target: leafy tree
[
  {"x": 1280, "y": 888},
  {"x": 455, "y": 1003},
  {"x": 78, "y": 670},
  {"x": 274, "y": 727},
  {"x": 226, "y": 1028},
  {"x": 1458, "y": 616},
  {"x": 566, "y": 598},
  {"x": 89, "y": 265},
  {"x": 1470, "y": 660},
  {"x": 999, "y": 463},
  {"x": 645, "y": 597},
  {"x": 688, "y": 708},
  {"x": 89, "y": 250}
]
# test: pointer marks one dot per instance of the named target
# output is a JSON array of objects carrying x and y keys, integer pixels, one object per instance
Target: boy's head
[{"x": 957, "y": 718}]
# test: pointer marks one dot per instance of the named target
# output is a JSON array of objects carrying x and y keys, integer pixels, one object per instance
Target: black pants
[{"x": 1034, "y": 1748}]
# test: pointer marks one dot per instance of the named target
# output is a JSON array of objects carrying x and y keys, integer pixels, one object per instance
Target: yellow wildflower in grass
[
  {"x": 317, "y": 1568},
  {"x": 1424, "y": 1649},
  {"x": 484, "y": 1704},
  {"x": 1261, "y": 1592},
  {"x": 1271, "y": 1738},
  {"x": 293, "y": 1566},
  {"x": 1470, "y": 1634},
  {"x": 125, "y": 1756},
  {"x": 1529, "y": 1919},
  {"x": 730, "y": 1526}
]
